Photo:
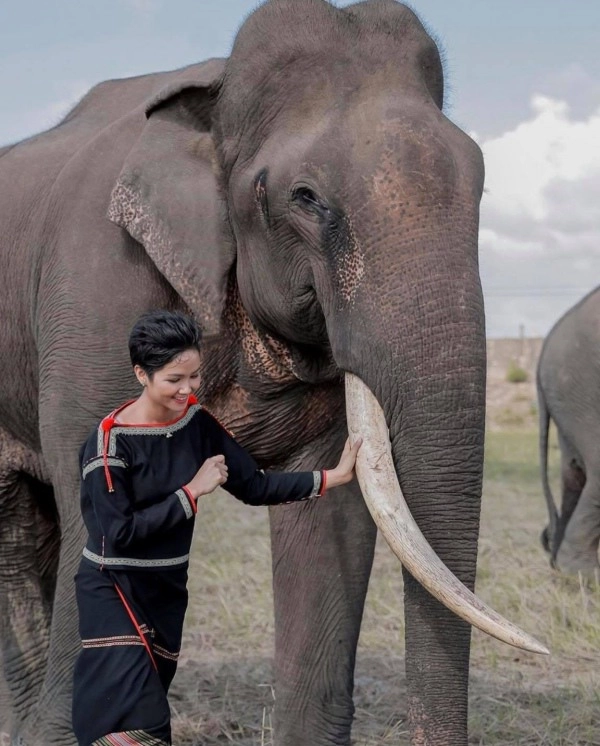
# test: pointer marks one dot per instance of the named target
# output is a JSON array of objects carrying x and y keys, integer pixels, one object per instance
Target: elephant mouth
[{"x": 383, "y": 495}]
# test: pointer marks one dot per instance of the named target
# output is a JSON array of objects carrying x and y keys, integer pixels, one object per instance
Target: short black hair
[{"x": 158, "y": 337}]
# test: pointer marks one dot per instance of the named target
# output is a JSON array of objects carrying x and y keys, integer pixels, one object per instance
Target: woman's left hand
[{"x": 344, "y": 471}]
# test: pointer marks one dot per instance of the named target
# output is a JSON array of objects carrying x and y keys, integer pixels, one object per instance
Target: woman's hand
[
  {"x": 209, "y": 476},
  {"x": 344, "y": 471}
]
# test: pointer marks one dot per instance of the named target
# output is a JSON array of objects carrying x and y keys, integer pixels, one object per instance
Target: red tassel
[
  {"x": 107, "y": 424},
  {"x": 192, "y": 400}
]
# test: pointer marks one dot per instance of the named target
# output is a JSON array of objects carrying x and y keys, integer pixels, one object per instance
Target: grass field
[{"x": 223, "y": 691}]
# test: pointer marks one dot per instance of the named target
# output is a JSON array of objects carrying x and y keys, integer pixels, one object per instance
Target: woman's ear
[
  {"x": 167, "y": 196},
  {"x": 141, "y": 375}
]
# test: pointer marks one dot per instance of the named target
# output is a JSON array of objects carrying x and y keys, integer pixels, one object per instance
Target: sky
[{"x": 522, "y": 78}]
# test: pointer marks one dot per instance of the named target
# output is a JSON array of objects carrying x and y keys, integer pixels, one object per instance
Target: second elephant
[{"x": 568, "y": 383}]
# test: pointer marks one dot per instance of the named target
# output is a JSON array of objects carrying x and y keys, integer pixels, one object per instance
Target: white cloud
[
  {"x": 540, "y": 217},
  {"x": 550, "y": 147}
]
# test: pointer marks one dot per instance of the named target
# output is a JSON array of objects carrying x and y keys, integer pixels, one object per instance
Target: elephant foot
[
  {"x": 6, "y": 739},
  {"x": 572, "y": 562},
  {"x": 43, "y": 732},
  {"x": 62, "y": 739},
  {"x": 12, "y": 738}
]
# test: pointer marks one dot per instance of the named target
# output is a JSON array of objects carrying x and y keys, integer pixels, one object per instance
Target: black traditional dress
[{"x": 132, "y": 581}]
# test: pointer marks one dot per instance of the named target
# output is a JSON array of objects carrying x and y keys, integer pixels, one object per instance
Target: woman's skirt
[{"x": 130, "y": 623}]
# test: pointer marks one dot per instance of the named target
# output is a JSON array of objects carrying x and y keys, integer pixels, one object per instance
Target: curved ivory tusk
[{"x": 384, "y": 498}]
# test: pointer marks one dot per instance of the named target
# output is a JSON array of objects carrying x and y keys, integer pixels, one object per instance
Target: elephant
[
  {"x": 308, "y": 201},
  {"x": 568, "y": 381}
]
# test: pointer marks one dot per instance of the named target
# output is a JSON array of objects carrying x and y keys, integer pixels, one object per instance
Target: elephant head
[{"x": 316, "y": 171}]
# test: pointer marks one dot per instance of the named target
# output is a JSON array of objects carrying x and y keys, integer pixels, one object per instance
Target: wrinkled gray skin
[
  {"x": 343, "y": 238},
  {"x": 568, "y": 382}
]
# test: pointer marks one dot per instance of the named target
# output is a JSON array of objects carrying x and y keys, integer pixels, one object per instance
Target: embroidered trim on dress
[
  {"x": 164, "y": 653},
  {"x": 318, "y": 485},
  {"x": 185, "y": 503},
  {"x": 103, "y": 642},
  {"x": 146, "y": 430},
  {"x": 316, "y": 490},
  {"x": 109, "y": 642},
  {"x": 98, "y": 462},
  {"x": 134, "y": 561},
  {"x": 125, "y": 640},
  {"x": 129, "y": 738}
]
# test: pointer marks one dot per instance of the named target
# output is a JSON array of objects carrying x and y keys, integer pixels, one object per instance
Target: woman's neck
[{"x": 140, "y": 412}]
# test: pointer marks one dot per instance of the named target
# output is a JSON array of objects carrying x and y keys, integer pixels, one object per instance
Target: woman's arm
[{"x": 239, "y": 474}]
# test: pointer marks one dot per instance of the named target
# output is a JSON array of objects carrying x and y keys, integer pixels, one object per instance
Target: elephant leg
[
  {"x": 322, "y": 558},
  {"x": 64, "y": 416},
  {"x": 28, "y": 542},
  {"x": 50, "y": 721},
  {"x": 578, "y": 550},
  {"x": 437, "y": 667},
  {"x": 572, "y": 483}
]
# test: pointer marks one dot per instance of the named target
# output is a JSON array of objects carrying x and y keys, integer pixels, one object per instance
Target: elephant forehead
[{"x": 417, "y": 179}]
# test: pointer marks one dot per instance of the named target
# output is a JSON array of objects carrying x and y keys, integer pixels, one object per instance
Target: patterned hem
[
  {"x": 130, "y": 738},
  {"x": 119, "y": 562}
]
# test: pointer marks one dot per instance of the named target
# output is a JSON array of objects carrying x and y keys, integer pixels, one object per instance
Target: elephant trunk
[
  {"x": 422, "y": 357},
  {"x": 387, "y": 505},
  {"x": 408, "y": 321}
]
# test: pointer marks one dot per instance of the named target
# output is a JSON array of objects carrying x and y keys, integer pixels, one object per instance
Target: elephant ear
[{"x": 167, "y": 197}]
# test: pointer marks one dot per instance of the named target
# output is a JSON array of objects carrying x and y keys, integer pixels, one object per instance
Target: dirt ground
[
  {"x": 508, "y": 404},
  {"x": 511, "y": 405}
]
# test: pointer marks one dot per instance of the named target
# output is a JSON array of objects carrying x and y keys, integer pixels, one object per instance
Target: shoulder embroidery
[{"x": 98, "y": 462}]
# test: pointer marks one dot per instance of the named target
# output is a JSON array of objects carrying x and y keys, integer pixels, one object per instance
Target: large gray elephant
[
  {"x": 568, "y": 384},
  {"x": 310, "y": 203}
]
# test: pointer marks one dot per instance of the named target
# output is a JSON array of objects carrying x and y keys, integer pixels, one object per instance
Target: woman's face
[{"x": 167, "y": 391}]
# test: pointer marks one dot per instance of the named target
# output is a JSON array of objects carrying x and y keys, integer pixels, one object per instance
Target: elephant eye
[
  {"x": 307, "y": 199},
  {"x": 260, "y": 190}
]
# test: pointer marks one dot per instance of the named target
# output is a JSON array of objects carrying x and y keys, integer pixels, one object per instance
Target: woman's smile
[{"x": 166, "y": 392}]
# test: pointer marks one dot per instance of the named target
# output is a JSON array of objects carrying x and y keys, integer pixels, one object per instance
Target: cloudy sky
[{"x": 523, "y": 79}]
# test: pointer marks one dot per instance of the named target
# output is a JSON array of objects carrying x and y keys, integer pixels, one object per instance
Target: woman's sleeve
[
  {"x": 255, "y": 486},
  {"x": 119, "y": 520}
]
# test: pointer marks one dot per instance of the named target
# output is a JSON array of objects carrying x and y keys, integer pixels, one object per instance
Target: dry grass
[
  {"x": 519, "y": 698},
  {"x": 223, "y": 693}
]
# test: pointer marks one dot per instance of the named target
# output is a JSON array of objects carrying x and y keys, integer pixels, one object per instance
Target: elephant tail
[{"x": 544, "y": 427}]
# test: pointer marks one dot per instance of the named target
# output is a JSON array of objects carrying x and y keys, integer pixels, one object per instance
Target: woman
[{"x": 143, "y": 470}]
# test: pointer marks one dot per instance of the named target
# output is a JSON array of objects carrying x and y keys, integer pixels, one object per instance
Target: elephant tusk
[{"x": 385, "y": 501}]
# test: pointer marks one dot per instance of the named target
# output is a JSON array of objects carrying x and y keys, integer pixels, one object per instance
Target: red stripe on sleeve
[{"x": 191, "y": 498}]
